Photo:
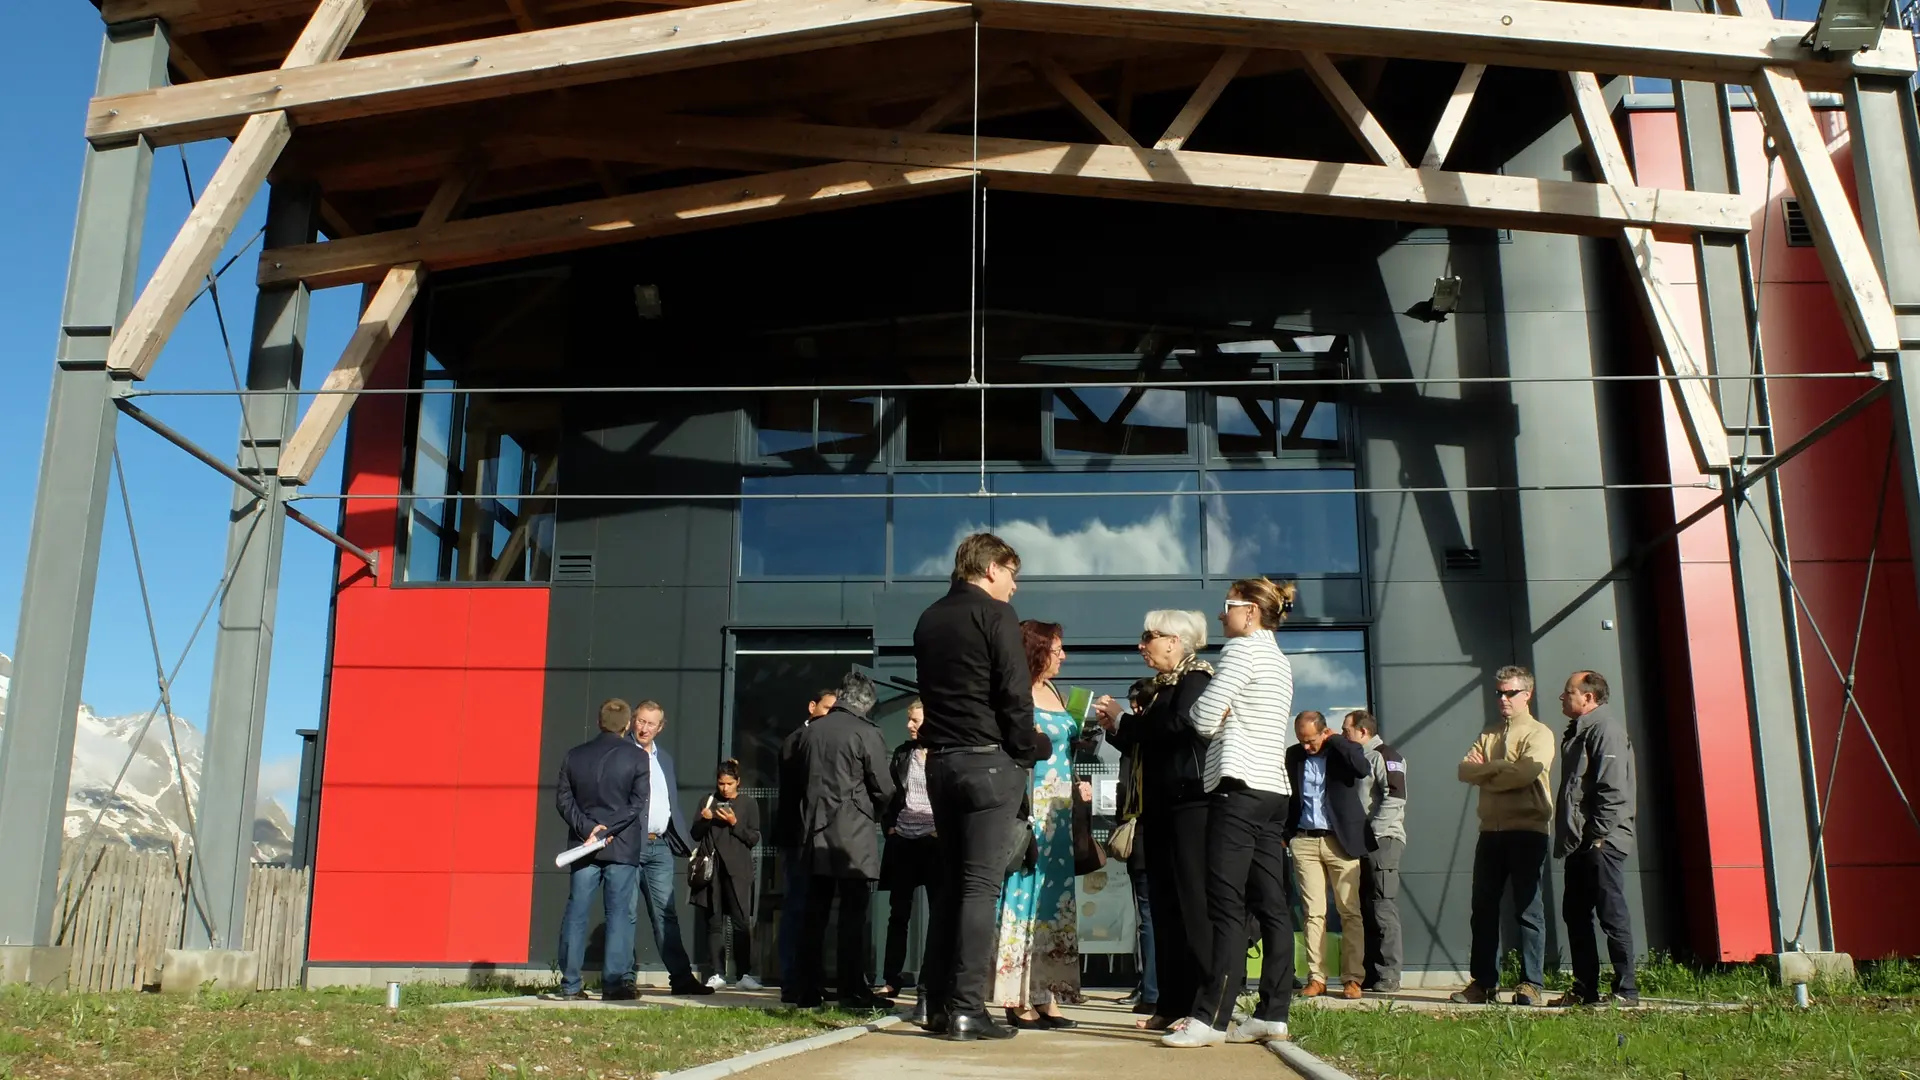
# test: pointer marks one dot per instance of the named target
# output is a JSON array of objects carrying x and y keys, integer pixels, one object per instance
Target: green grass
[
  {"x": 1864, "y": 1029},
  {"x": 350, "y": 1035}
]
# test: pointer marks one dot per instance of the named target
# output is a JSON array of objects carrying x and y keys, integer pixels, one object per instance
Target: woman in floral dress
[{"x": 1038, "y": 957}]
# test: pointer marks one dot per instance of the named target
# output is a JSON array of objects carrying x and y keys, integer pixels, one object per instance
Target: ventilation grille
[
  {"x": 573, "y": 567},
  {"x": 1799, "y": 233},
  {"x": 1464, "y": 560}
]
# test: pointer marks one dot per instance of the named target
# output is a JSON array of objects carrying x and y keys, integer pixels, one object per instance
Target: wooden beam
[
  {"x": 189, "y": 259},
  {"x": 1699, "y": 414},
  {"x": 1353, "y": 112},
  {"x": 453, "y": 193},
  {"x": 523, "y": 529},
  {"x": 516, "y": 64},
  {"x": 605, "y": 221},
  {"x": 1203, "y": 98},
  {"x": 378, "y": 323},
  {"x": 1453, "y": 116},
  {"x": 1315, "y": 187},
  {"x": 950, "y": 103},
  {"x": 1550, "y": 34},
  {"x": 1083, "y": 103}
]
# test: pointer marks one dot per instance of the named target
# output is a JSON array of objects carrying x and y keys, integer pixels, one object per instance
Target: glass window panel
[
  {"x": 1062, "y": 536},
  {"x": 1282, "y": 534},
  {"x": 944, "y": 425},
  {"x": 785, "y": 425},
  {"x": 1119, "y": 421},
  {"x": 813, "y": 537},
  {"x": 847, "y": 426},
  {"x": 1265, "y": 420},
  {"x": 1329, "y": 671}
]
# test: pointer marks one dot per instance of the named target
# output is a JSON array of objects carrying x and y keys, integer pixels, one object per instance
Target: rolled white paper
[{"x": 575, "y": 854}]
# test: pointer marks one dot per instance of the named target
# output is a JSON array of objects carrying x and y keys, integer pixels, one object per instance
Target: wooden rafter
[
  {"x": 1203, "y": 99},
  {"x": 1071, "y": 91},
  {"x": 1353, "y": 112},
  {"x": 516, "y": 64},
  {"x": 378, "y": 323},
  {"x": 1699, "y": 414},
  {"x": 1453, "y": 116},
  {"x": 1551, "y": 34},
  {"x": 189, "y": 259},
  {"x": 902, "y": 164},
  {"x": 601, "y": 222}
]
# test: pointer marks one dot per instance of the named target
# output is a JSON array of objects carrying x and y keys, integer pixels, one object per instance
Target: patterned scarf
[{"x": 1191, "y": 663}]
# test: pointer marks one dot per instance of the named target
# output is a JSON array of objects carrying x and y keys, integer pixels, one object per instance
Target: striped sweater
[{"x": 1253, "y": 679}]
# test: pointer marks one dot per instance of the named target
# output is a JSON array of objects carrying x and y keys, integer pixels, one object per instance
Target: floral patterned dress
[{"x": 1038, "y": 956}]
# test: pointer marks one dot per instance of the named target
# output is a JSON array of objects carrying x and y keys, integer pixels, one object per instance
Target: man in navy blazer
[
  {"x": 662, "y": 838},
  {"x": 602, "y": 793},
  {"x": 1326, "y": 831}
]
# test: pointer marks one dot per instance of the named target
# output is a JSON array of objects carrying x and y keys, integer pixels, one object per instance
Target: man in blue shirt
[
  {"x": 664, "y": 840},
  {"x": 1326, "y": 831}
]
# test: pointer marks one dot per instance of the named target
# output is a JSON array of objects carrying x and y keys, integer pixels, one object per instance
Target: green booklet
[{"x": 1080, "y": 703}]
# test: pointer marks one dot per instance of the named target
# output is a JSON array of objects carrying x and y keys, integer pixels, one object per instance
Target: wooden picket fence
[{"x": 121, "y": 910}]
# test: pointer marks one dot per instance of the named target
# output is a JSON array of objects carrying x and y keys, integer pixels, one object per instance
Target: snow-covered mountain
[{"x": 148, "y": 812}]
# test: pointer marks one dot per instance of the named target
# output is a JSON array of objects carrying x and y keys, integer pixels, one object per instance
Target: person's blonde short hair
[{"x": 1189, "y": 626}]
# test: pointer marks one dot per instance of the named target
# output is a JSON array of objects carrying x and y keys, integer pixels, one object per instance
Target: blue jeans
[
  {"x": 656, "y": 879},
  {"x": 793, "y": 911},
  {"x": 1512, "y": 862},
  {"x": 1149, "y": 981},
  {"x": 616, "y": 882}
]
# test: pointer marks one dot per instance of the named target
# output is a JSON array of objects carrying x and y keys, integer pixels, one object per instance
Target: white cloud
[
  {"x": 280, "y": 779},
  {"x": 1158, "y": 544},
  {"x": 1318, "y": 680}
]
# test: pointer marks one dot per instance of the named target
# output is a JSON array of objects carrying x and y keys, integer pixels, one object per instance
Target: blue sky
[{"x": 48, "y": 61}]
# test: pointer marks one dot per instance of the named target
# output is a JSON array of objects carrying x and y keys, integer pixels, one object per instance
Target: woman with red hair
[{"x": 1037, "y": 963}]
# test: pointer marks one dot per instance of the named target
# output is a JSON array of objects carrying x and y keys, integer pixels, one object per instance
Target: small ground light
[
  {"x": 1800, "y": 995},
  {"x": 393, "y": 995}
]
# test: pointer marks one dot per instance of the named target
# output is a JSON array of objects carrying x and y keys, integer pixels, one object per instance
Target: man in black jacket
[
  {"x": 1326, "y": 830},
  {"x": 786, "y": 837},
  {"x": 1593, "y": 830},
  {"x": 848, "y": 789},
  {"x": 979, "y": 733},
  {"x": 603, "y": 791}
]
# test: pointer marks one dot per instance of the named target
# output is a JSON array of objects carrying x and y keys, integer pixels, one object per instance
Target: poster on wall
[{"x": 1105, "y": 910}]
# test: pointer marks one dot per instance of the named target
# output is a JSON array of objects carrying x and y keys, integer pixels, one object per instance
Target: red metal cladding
[{"x": 425, "y": 849}]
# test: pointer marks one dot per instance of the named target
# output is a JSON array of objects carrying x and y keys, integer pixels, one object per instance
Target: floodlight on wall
[
  {"x": 646, "y": 301},
  {"x": 1443, "y": 302},
  {"x": 1845, "y": 26}
]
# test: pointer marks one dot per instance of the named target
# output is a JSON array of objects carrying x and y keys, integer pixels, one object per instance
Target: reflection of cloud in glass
[
  {"x": 1324, "y": 676},
  {"x": 1156, "y": 544}
]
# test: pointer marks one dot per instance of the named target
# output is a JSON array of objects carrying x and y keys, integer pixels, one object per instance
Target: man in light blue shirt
[
  {"x": 665, "y": 839},
  {"x": 1326, "y": 830}
]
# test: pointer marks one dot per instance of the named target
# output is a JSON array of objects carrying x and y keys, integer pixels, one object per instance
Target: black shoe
[
  {"x": 622, "y": 992},
  {"x": 1015, "y": 1020},
  {"x": 1146, "y": 1008},
  {"x": 1629, "y": 999},
  {"x": 966, "y": 1028},
  {"x": 1057, "y": 1023},
  {"x": 920, "y": 1014},
  {"x": 866, "y": 1003},
  {"x": 577, "y": 995},
  {"x": 1132, "y": 998},
  {"x": 690, "y": 989},
  {"x": 1382, "y": 987}
]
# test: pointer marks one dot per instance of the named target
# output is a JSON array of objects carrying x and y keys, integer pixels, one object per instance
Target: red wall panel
[
  {"x": 1832, "y": 495},
  {"x": 430, "y": 786}
]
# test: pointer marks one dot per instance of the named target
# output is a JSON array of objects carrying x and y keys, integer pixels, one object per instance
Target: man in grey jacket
[
  {"x": 1383, "y": 795},
  {"x": 1593, "y": 832}
]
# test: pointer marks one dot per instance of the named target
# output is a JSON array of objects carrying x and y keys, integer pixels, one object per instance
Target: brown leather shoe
[
  {"x": 1314, "y": 988},
  {"x": 1351, "y": 991}
]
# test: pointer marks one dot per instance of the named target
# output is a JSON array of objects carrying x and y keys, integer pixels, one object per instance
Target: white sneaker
[
  {"x": 1194, "y": 1033},
  {"x": 748, "y": 982},
  {"x": 718, "y": 982},
  {"x": 1257, "y": 1031}
]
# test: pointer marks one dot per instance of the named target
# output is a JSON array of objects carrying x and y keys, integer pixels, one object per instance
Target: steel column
[
  {"x": 243, "y": 649},
  {"x": 63, "y": 555},
  {"x": 1886, "y": 168},
  {"x": 1763, "y": 599}
]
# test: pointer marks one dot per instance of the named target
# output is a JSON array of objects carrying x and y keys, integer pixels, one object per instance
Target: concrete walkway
[{"x": 1106, "y": 1046}]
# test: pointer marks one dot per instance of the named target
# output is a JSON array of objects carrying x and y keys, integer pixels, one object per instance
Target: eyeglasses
[
  {"x": 1512, "y": 693},
  {"x": 1148, "y": 637},
  {"x": 1231, "y": 604}
]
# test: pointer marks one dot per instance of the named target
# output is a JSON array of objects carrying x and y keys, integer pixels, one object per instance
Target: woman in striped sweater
[{"x": 1245, "y": 716}]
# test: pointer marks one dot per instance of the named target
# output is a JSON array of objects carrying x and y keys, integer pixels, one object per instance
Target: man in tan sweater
[{"x": 1512, "y": 765}]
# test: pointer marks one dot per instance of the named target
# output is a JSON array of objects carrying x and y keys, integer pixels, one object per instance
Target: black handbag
[
  {"x": 1023, "y": 848},
  {"x": 1088, "y": 855},
  {"x": 701, "y": 864}
]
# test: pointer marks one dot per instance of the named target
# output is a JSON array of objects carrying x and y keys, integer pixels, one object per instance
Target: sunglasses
[
  {"x": 1511, "y": 693},
  {"x": 1148, "y": 637},
  {"x": 1231, "y": 604}
]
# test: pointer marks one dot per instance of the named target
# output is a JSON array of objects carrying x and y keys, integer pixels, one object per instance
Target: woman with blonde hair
[
  {"x": 1245, "y": 715},
  {"x": 1159, "y": 734}
]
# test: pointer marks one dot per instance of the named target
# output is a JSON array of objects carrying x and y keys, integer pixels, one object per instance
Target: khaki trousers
[{"x": 1316, "y": 861}]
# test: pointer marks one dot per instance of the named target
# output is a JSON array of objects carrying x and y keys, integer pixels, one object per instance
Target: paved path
[{"x": 1105, "y": 1046}]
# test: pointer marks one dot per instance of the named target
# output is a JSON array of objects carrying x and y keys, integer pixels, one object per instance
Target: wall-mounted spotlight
[
  {"x": 1845, "y": 26},
  {"x": 1443, "y": 302}
]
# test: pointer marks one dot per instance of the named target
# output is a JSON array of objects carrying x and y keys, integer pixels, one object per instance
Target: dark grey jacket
[
  {"x": 1597, "y": 795},
  {"x": 848, "y": 787}
]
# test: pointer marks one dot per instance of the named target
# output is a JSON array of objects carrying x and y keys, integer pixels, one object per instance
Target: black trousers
[
  {"x": 856, "y": 896},
  {"x": 1247, "y": 872},
  {"x": 975, "y": 799},
  {"x": 1596, "y": 882},
  {"x": 911, "y": 865},
  {"x": 717, "y": 933},
  {"x": 1509, "y": 861},
  {"x": 1175, "y": 839},
  {"x": 1380, "y": 906}
]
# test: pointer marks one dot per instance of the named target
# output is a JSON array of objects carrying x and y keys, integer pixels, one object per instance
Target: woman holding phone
[{"x": 730, "y": 823}]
